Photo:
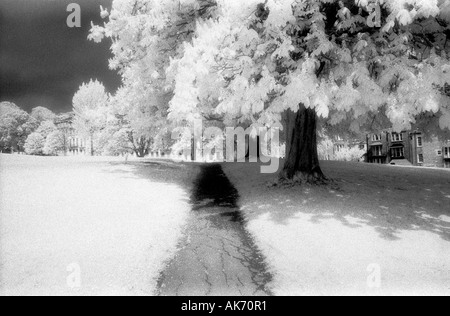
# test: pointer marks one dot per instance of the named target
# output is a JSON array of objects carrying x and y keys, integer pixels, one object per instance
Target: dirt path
[{"x": 217, "y": 256}]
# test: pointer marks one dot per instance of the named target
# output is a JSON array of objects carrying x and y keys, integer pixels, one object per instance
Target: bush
[
  {"x": 34, "y": 144},
  {"x": 327, "y": 150},
  {"x": 118, "y": 144},
  {"x": 349, "y": 154},
  {"x": 54, "y": 143}
]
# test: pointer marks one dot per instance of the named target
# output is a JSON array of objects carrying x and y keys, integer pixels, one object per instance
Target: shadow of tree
[
  {"x": 212, "y": 186},
  {"x": 389, "y": 199}
]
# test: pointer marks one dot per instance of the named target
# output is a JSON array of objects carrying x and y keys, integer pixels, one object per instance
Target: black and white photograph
[{"x": 217, "y": 154}]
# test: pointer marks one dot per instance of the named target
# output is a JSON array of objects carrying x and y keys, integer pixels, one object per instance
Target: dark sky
[{"x": 43, "y": 61}]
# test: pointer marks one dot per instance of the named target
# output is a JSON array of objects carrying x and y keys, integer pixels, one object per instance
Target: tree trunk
[
  {"x": 140, "y": 152},
  {"x": 142, "y": 147},
  {"x": 248, "y": 143},
  {"x": 302, "y": 159},
  {"x": 92, "y": 145},
  {"x": 64, "y": 144}
]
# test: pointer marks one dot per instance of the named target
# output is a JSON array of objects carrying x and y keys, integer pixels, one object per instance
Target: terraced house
[{"x": 408, "y": 148}]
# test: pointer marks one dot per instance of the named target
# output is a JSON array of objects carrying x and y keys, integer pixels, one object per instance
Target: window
[
  {"x": 377, "y": 150},
  {"x": 398, "y": 152},
  {"x": 396, "y": 137},
  {"x": 419, "y": 141},
  {"x": 420, "y": 158},
  {"x": 376, "y": 138},
  {"x": 439, "y": 153},
  {"x": 446, "y": 152},
  {"x": 339, "y": 148}
]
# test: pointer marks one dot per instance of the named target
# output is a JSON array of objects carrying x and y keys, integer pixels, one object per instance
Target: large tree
[
  {"x": 146, "y": 35},
  {"x": 290, "y": 61},
  {"x": 141, "y": 115},
  {"x": 90, "y": 108},
  {"x": 295, "y": 61}
]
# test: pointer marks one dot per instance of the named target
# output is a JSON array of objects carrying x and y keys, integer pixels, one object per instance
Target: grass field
[
  {"x": 87, "y": 226},
  {"x": 379, "y": 230}
]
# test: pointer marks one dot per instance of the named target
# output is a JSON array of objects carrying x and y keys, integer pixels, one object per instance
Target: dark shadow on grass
[
  {"x": 213, "y": 186},
  {"x": 214, "y": 200}
]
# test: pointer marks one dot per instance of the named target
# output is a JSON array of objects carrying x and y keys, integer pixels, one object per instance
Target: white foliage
[
  {"x": 445, "y": 10},
  {"x": 103, "y": 12},
  {"x": 97, "y": 33},
  {"x": 280, "y": 13},
  {"x": 235, "y": 65},
  {"x": 34, "y": 144}
]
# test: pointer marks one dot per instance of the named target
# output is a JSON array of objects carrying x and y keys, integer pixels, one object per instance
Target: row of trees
[
  {"x": 46, "y": 140},
  {"x": 111, "y": 126},
  {"x": 114, "y": 124},
  {"x": 302, "y": 63},
  {"x": 33, "y": 133}
]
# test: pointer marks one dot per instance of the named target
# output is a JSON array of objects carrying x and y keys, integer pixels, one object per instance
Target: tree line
[
  {"x": 33, "y": 133},
  {"x": 103, "y": 122}
]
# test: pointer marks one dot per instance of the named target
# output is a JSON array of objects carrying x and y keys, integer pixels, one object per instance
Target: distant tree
[
  {"x": 15, "y": 126},
  {"x": 142, "y": 114},
  {"x": 119, "y": 143},
  {"x": 54, "y": 143},
  {"x": 42, "y": 114},
  {"x": 64, "y": 124},
  {"x": 34, "y": 144},
  {"x": 116, "y": 137},
  {"x": 325, "y": 149},
  {"x": 142, "y": 54},
  {"x": 90, "y": 108},
  {"x": 35, "y": 147},
  {"x": 46, "y": 128}
]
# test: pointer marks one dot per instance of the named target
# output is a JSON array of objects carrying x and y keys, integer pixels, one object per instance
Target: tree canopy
[
  {"x": 252, "y": 61},
  {"x": 15, "y": 126},
  {"x": 42, "y": 114},
  {"x": 90, "y": 107}
]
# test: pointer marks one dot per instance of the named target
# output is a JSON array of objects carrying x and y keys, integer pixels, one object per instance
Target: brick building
[{"x": 407, "y": 148}]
